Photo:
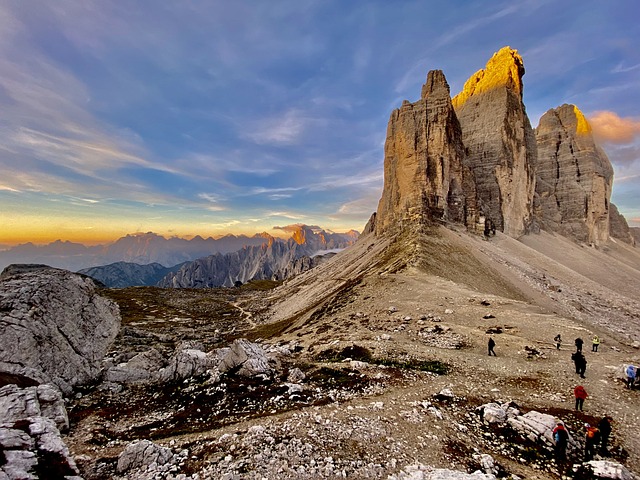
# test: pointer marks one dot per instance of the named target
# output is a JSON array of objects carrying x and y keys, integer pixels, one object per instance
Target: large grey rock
[
  {"x": 142, "y": 368},
  {"x": 499, "y": 142},
  {"x": 609, "y": 469},
  {"x": 186, "y": 363},
  {"x": 30, "y": 424},
  {"x": 143, "y": 453},
  {"x": 54, "y": 327},
  {"x": 574, "y": 177},
  {"x": 425, "y": 176},
  {"x": 244, "y": 358}
]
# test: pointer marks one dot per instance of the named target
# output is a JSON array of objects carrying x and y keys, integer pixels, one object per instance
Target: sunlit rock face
[
  {"x": 574, "y": 177},
  {"x": 500, "y": 143},
  {"x": 424, "y": 173}
]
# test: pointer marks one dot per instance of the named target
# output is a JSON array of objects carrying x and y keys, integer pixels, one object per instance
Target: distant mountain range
[{"x": 148, "y": 248}]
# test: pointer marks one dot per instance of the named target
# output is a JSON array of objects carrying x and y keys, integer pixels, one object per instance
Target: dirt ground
[{"x": 428, "y": 296}]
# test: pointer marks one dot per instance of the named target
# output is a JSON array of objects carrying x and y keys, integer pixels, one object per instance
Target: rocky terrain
[{"x": 374, "y": 363}]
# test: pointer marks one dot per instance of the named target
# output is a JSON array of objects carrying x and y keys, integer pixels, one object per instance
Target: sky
[{"x": 192, "y": 117}]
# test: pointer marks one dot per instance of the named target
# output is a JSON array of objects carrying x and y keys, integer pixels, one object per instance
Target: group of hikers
[
  {"x": 596, "y": 439},
  {"x": 595, "y": 436}
]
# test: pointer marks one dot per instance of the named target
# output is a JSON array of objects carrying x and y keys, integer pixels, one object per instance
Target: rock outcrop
[
  {"x": 30, "y": 444},
  {"x": 499, "y": 142},
  {"x": 618, "y": 226},
  {"x": 55, "y": 327},
  {"x": 425, "y": 177},
  {"x": 574, "y": 177}
]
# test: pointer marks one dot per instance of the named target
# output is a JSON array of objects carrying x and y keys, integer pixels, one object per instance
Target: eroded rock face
[
  {"x": 424, "y": 171},
  {"x": 499, "y": 141},
  {"x": 55, "y": 327},
  {"x": 30, "y": 423},
  {"x": 618, "y": 226},
  {"x": 574, "y": 177}
]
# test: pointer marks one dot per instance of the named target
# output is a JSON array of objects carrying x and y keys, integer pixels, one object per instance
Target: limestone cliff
[
  {"x": 424, "y": 172},
  {"x": 618, "y": 226},
  {"x": 499, "y": 141},
  {"x": 574, "y": 177}
]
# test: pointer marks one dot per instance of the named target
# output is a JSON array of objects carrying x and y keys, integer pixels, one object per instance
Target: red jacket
[{"x": 580, "y": 392}]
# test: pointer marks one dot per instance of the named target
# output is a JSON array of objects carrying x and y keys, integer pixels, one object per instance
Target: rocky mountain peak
[
  {"x": 504, "y": 69},
  {"x": 424, "y": 173},
  {"x": 436, "y": 85},
  {"x": 574, "y": 177},
  {"x": 499, "y": 142}
]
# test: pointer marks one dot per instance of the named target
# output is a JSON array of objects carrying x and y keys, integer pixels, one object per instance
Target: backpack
[
  {"x": 592, "y": 433},
  {"x": 560, "y": 435}
]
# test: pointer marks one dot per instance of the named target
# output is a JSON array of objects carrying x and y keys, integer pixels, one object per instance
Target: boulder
[
  {"x": 608, "y": 469},
  {"x": 54, "y": 326},
  {"x": 188, "y": 362},
  {"x": 142, "y": 368},
  {"x": 142, "y": 453},
  {"x": 245, "y": 358},
  {"x": 499, "y": 142},
  {"x": 30, "y": 424},
  {"x": 573, "y": 178}
]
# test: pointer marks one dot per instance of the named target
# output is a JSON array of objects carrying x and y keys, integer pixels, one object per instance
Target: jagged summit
[
  {"x": 424, "y": 172},
  {"x": 504, "y": 69}
]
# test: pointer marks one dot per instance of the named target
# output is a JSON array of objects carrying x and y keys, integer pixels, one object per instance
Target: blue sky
[{"x": 206, "y": 117}]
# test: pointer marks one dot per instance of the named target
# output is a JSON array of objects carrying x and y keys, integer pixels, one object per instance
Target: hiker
[
  {"x": 581, "y": 394},
  {"x": 631, "y": 373},
  {"x": 579, "y": 343},
  {"x": 595, "y": 343},
  {"x": 560, "y": 438},
  {"x": 491, "y": 344},
  {"x": 592, "y": 438},
  {"x": 558, "y": 340},
  {"x": 580, "y": 362},
  {"x": 605, "y": 431}
]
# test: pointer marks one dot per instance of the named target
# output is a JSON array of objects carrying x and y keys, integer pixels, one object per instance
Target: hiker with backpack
[
  {"x": 490, "y": 346},
  {"x": 558, "y": 340},
  {"x": 631, "y": 372},
  {"x": 605, "y": 431},
  {"x": 592, "y": 439},
  {"x": 579, "y": 343},
  {"x": 560, "y": 439}
]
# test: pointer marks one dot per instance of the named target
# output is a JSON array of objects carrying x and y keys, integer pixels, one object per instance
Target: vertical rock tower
[
  {"x": 574, "y": 177},
  {"x": 500, "y": 143},
  {"x": 424, "y": 172}
]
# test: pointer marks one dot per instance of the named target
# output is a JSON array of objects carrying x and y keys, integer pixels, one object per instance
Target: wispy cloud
[
  {"x": 285, "y": 129},
  {"x": 609, "y": 127}
]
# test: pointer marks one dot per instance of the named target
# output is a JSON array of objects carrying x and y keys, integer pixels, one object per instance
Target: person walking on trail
[
  {"x": 560, "y": 439},
  {"x": 558, "y": 340},
  {"x": 631, "y": 372},
  {"x": 491, "y": 344},
  {"x": 592, "y": 439},
  {"x": 605, "y": 432},
  {"x": 579, "y": 343},
  {"x": 595, "y": 343},
  {"x": 581, "y": 395},
  {"x": 580, "y": 362}
]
